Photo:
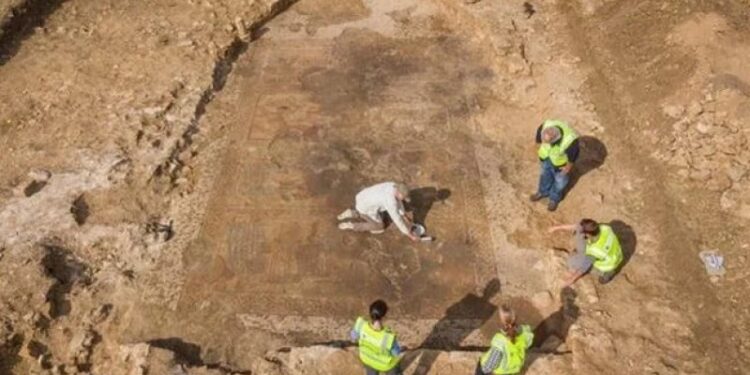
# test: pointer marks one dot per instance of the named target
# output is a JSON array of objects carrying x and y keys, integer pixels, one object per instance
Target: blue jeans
[{"x": 552, "y": 183}]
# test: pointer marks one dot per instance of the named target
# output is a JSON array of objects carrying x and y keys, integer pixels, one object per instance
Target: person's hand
[
  {"x": 566, "y": 168},
  {"x": 413, "y": 238},
  {"x": 551, "y": 230}
]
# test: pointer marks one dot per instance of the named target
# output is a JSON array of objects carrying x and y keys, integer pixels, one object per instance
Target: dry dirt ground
[{"x": 172, "y": 172}]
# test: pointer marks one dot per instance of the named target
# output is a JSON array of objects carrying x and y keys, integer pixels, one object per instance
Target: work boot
[
  {"x": 346, "y": 226},
  {"x": 551, "y": 206},
  {"x": 347, "y": 214},
  {"x": 536, "y": 197}
]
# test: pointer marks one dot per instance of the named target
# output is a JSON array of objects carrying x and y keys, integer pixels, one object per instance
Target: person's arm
[
  {"x": 572, "y": 151},
  {"x": 567, "y": 167},
  {"x": 395, "y": 349},
  {"x": 493, "y": 361},
  {"x": 529, "y": 335},
  {"x": 354, "y": 333},
  {"x": 566, "y": 227},
  {"x": 393, "y": 211},
  {"x": 538, "y": 137}
]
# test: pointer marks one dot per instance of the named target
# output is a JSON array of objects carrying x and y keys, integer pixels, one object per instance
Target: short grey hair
[
  {"x": 551, "y": 134},
  {"x": 402, "y": 189}
]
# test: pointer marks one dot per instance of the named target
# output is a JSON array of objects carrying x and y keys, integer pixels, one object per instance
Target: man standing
[
  {"x": 379, "y": 350},
  {"x": 372, "y": 203},
  {"x": 507, "y": 352},
  {"x": 597, "y": 246},
  {"x": 558, "y": 150}
]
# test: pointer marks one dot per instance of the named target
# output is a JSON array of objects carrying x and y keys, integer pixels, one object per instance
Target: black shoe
[
  {"x": 536, "y": 197},
  {"x": 551, "y": 206}
]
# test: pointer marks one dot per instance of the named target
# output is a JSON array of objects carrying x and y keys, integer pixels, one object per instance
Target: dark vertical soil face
[{"x": 633, "y": 72}]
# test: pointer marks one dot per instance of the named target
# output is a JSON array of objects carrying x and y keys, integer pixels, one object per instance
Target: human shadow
[
  {"x": 628, "y": 241},
  {"x": 460, "y": 320},
  {"x": 552, "y": 332},
  {"x": 592, "y": 155},
  {"x": 422, "y": 200}
]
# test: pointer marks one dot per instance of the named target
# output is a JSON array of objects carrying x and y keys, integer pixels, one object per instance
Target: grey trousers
[{"x": 364, "y": 223}]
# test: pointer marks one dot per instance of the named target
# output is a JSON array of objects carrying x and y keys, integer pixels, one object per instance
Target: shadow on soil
[
  {"x": 60, "y": 264},
  {"x": 552, "y": 332},
  {"x": 423, "y": 199},
  {"x": 189, "y": 354},
  {"x": 592, "y": 156},
  {"x": 21, "y": 25},
  {"x": 628, "y": 241},
  {"x": 478, "y": 307}
]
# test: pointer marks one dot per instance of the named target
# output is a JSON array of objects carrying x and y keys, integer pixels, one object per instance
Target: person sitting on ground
[
  {"x": 372, "y": 203},
  {"x": 596, "y": 245},
  {"x": 507, "y": 352},
  {"x": 379, "y": 350},
  {"x": 558, "y": 150}
]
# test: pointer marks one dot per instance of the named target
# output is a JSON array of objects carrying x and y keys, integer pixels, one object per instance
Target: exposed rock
[
  {"x": 673, "y": 111},
  {"x": 703, "y": 128},
  {"x": 542, "y": 300},
  {"x": 694, "y": 109}
]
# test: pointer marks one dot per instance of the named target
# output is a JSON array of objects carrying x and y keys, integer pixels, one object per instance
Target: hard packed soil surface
[{"x": 173, "y": 169}]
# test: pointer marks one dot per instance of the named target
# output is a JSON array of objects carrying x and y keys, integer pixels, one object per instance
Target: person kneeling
[
  {"x": 371, "y": 205},
  {"x": 597, "y": 247},
  {"x": 507, "y": 353}
]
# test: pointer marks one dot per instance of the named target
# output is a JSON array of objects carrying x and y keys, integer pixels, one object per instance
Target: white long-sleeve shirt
[{"x": 382, "y": 198}]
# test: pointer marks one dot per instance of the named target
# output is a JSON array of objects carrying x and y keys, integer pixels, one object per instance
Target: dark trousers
[
  {"x": 552, "y": 182},
  {"x": 395, "y": 371}
]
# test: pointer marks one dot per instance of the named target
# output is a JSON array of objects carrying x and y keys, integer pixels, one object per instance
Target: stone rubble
[{"x": 708, "y": 143}]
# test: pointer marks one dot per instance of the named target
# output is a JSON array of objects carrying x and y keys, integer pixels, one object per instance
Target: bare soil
[{"x": 173, "y": 171}]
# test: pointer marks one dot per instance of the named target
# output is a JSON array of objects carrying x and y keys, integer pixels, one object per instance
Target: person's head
[
  {"x": 508, "y": 322},
  {"x": 551, "y": 134},
  {"x": 378, "y": 309},
  {"x": 402, "y": 192},
  {"x": 589, "y": 228}
]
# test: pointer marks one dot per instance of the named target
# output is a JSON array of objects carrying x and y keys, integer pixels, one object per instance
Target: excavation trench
[{"x": 356, "y": 96}]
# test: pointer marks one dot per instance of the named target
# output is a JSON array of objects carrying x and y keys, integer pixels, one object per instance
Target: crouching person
[
  {"x": 372, "y": 204},
  {"x": 597, "y": 247},
  {"x": 507, "y": 353}
]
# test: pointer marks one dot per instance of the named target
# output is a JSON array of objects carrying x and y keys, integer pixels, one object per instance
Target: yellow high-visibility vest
[
  {"x": 556, "y": 153},
  {"x": 606, "y": 251},
  {"x": 514, "y": 353},
  {"x": 375, "y": 346}
]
